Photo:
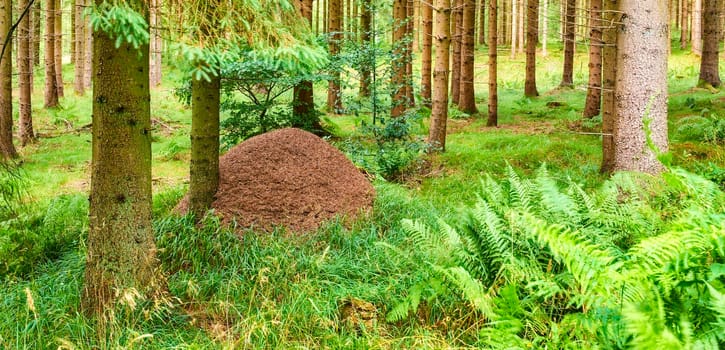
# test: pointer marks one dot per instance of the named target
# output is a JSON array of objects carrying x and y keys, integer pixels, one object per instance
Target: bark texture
[
  {"x": 334, "y": 93},
  {"x": 482, "y": 23},
  {"x": 58, "y": 51},
  {"x": 51, "y": 90},
  {"x": 697, "y": 27},
  {"x": 532, "y": 37},
  {"x": 204, "y": 165},
  {"x": 365, "y": 38},
  {"x": 641, "y": 86},
  {"x": 709, "y": 66},
  {"x": 121, "y": 253},
  {"x": 685, "y": 32},
  {"x": 6, "y": 90},
  {"x": 492, "y": 65},
  {"x": 456, "y": 35},
  {"x": 25, "y": 78},
  {"x": 439, "y": 110},
  {"x": 609, "y": 72},
  {"x": 467, "y": 98},
  {"x": 426, "y": 65},
  {"x": 594, "y": 90},
  {"x": 567, "y": 79},
  {"x": 303, "y": 103},
  {"x": 79, "y": 45},
  {"x": 399, "y": 64}
]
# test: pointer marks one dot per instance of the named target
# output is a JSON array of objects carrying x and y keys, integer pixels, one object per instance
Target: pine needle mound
[{"x": 291, "y": 178}]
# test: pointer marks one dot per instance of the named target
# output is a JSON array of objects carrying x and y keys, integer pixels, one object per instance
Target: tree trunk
[
  {"x": 467, "y": 99},
  {"x": 409, "y": 30},
  {"x": 685, "y": 32},
  {"x": 532, "y": 33},
  {"x": 398, "y": 64},
  {"x": 457, "y": 34},
  {"x": 37, "y": 16},
  {"x": 88, "y": 65},
  {"x": 51, "y": 91},
  {"x": 365, "y": 38},
  {"x": 594, "y": 90},
  {"x": 439, "y": 110},
  {"x": 204, "y": 166},
  {"x": 492, "y": 65},
  {"x": 521, "y": 22},
  {"x": 6, "y": 83},
  {"x": 121, "y": 254},
  {"x": 426, "y": 59},
  {"x": 709, "y": 66},
  {"x": 155, "y": 43},
  {"x": 482, "y": 22},
  {"x": 641, "y": 86},
  {"x": 545, "y": 30},
  {"x": 567, "y": 79},
  {"x": 303, "y": 103},
  {"x": 25, "y": 77},
  {"x": 514, "y": 26},
  {"x": 79, "y": 44},
  {"x": 609, "y": 75},
  {"x": 334, "y": 94},
  {"x": 58, "y": 51},
  {"x": 697, "y": 27}
]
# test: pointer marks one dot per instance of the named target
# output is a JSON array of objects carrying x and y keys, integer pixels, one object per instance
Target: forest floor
[{"x": 281, "y": 291}]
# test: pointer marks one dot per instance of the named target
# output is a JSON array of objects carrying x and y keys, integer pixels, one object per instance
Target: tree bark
[
  {"x": 79, "y": 44},
  {"x": 88, "y": 65},
  {"x": 155, "y": 43},
  {"x": 609, "y": 75},
  {"x": 641, "y": 86},
  {"x": 594, "y": 90},
  {"x": 467, "y": 98},
  {"x": 426, "y": 64},
  {"x": 51, "y": 90},
  {"x": 37, "y": 16},
  {"x": 25, "y": 78},
  {"x": 334, "y": 94},
  {"x": 365, "y": 38},
  {"x": 514, "y": 26},
  {"x": 545, "y": 30},
  {"x": 409, "y": 31},
  {"x": 303, "y": 103},
  {"x": 482, "y": 23},
  {"x": 521, "y": 22},
  {"x": 685, "y": 32},
  {"x": 58, "y": 51},
  {"x": 697, "y": 27},
  {"x": 121, "y": 256},
  {"x": 398, "y": 64},
  {"x": 492, "y": 65},
  {"x": 709, "y": 66},
  {"x": 567, "y": 79},
  {"x": 439, "y": 110},
  {"x": 457, "y": 34},
  {"x": 204, "y": 166},
  {"x": 7, "y": 148},
  {"x": 532, "y": 33}
]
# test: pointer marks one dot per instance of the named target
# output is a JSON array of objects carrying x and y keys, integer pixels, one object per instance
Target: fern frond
[{"x": 472, "y": 289}]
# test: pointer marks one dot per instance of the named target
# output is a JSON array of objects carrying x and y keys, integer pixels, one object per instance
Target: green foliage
[
  {"x": 12, "y": 188},
  {"x": 706, "y": 128},
  {"x": 120, "y": 21},
  {"x": 603, "y": 264}
]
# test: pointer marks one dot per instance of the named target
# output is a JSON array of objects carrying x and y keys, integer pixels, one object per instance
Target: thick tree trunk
[
  {"x": 492, "y": 65},
  {"x": 399, "y": 64},
  {"x": 303, "y": 103},
  {"x": 594, "y": 91},
  {"x": 567, "y": 79},
  {"x": 334, "y": 93},
  {"x": 439, "y": 111},
  {"x": 609, "y": 72},
  {"x": 426, "y": 65},
  {"x": 457, "y": 35},
  {"x": 709, "y": 66},
  {"x": 532, "y": 33},
  {"x": 697, "y": 27},
  {"x": 467, "y": 98},
  {"x": 641, "y": 86},
  {"x": 482, "y": 22},
  {"x": 6, "y": 89},
  {"x": 25, "y": 78},
  {"x": 58, "y": 51},
  {"x": 121, "y": 255},
  {"x": 51, "y": 90},
  {"x": 204, "y": 165},
  {"x": 79, "y": 44},
  {"x": 365, "y": 37}
]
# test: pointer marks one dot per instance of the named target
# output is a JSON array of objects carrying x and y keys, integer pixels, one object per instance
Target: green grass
[{"x": 280, "y": 290}]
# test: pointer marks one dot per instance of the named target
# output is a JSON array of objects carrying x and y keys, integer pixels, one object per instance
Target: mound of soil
[{"x": 288, "y": 177}]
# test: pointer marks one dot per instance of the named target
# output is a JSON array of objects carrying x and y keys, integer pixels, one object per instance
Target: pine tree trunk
[
  {"x": 457, "y": 34},
  {"x": 51, "y": 91},
  {"x": 303, "y": 103},
  {"x": 88, "y": 64},
  {"x": 334, "y": 94},
  {"x": 426, "y": 65},
  {"x": 609, "y": 75},
  {"x": 492, "y": 65},
  {"x": 641, "y": 86},
  {"x": 414, "y": 6},
  {"x": 709, "y": 66},
  {"x": 467, "y": 100},
  {"x": 365, "y": 38},
  {"x": 545, "y": 30},
  {"x": 25, "y": 78},
  {"x": 514, "y": 26},
  {"x": 521, "y": 22},
  {"x": 121, "y": 254},
  {"x": 482, "y": 22},
  {"x": 155, "y": 44},
  {"x": 409, "y": 31},
  {"x": 58, "y": 50},
  {"x": 567, "y": 79},
  {"x": 594, "y": 91},
  {"x": 439, "y": 110},
  {"x": 73, "y": 34},
  {"x": 37, "y": 17},
  {"x": 398, "y": 64},
  {"x": 79, "y": 43},
  {"x": 6, "y": 89},
  {"x": 204, "y": 165},
  {"x": 532, "y": 33},
  {"x": 697, "y": 27},
  {"x": 685, "y": 32}
]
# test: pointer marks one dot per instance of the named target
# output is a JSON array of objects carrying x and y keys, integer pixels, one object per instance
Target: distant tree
[
  {"x": 426, "y": 65},
  {"x": 467, "y": 98},
  {"x": 51, "y": 89},
  {"x": 79, "y": 46},
  {"x": 6, "y": 90},
  {"x": 399, "y": 61},
  {"x": 609, "y": 71},
  {"x": 492, "y": 64},
  {"x": 709, "y": 64},
  {"x": 36, "y": 13},
  {"x": 594, "y": 89},
  {"x": 685, "y": 28},
  {"x": 532, "y": 38},
  {"x": 58, "y": 50},
  {"x": 567, "y": 79},
  {"x": 121, "y": 254},
  {"x": 514, "y": 26},
  {"x": 334, "y": 93},
  {"x": 25, "y": 77},
  {"x": 439, "y": 110},
  {"x": 366, "y": 36},
  {"x": 304, "y": 103},
  {"x": 155, "y": 42},
  {"x": 482, "y": 22},
  {"x": 641, "y": 86},
  {"x": 697, "y": 27},
  {"x": 456, "y": 41}
]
